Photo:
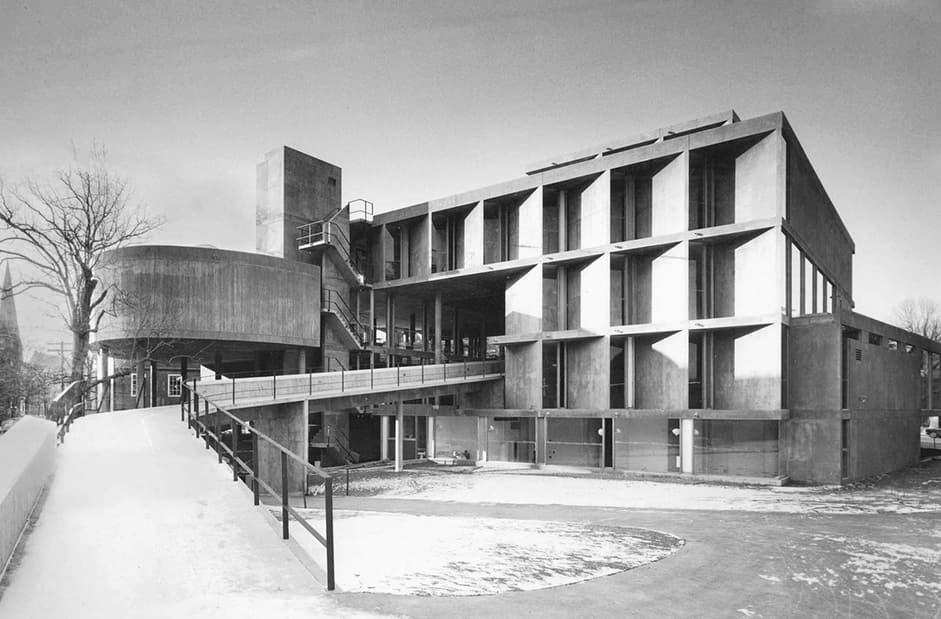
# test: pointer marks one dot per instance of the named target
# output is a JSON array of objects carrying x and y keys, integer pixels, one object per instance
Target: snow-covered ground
[
  {"x": 433, "y": 555},
  {"x": 920, "y": 494}
]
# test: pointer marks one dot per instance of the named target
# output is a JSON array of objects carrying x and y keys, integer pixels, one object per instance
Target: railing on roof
[
  {"x": 209, "y": 426},
  {"x": 360, "y": 210}
]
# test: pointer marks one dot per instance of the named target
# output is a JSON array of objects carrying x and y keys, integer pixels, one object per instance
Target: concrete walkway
[{"x": 141, "y": 521}]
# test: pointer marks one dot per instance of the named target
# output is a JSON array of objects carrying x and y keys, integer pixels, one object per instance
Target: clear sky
[{"x": 418, "y": 100}]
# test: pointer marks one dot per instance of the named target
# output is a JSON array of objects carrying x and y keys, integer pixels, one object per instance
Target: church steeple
[{"x": 10, "y": 345}]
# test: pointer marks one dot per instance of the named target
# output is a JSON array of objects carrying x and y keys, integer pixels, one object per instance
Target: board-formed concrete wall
[
  {"x": 213, "y": 294},
  {"x": 27, "y": 460}
]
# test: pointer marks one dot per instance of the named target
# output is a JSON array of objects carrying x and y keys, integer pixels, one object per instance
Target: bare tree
[
  {"x": 921, "y": 316},
  {"x": 148, "y": 324},
  {"x": 60, "y": 229}
]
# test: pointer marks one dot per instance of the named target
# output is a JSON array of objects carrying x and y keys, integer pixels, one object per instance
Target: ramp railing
[
  {"x": 209, "y": 426},
  {"x": 64, "y": 410},
  {"x": 295, "y": 386}
]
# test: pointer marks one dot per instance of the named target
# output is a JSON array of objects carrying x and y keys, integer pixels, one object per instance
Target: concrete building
[{"x": 674, "y": 303}]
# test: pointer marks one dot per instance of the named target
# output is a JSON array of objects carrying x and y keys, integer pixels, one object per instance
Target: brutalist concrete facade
[{"x": 676, "y": 303}]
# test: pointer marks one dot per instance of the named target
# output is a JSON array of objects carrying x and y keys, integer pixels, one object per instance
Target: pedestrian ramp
[
  {"x": 140, "y": 521},
  {"x": 417, "y": 381}
]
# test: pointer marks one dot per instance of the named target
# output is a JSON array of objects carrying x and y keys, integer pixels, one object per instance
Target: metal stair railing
[
  {"x": 334, "y": 303},
  {"x": 330, "y": 233},
  {"x": 336, "y": 434}
]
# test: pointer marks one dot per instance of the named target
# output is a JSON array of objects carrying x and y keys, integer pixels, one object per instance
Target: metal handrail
[
  {"x": 66, "y": 423},
  {"x": 366, "y": 209},
  {"x": 206, "y": 431},
  {"x": 324, "y": 230},
  {"x": 334, "y": 301},
  {"x": 347, "y": 381}
]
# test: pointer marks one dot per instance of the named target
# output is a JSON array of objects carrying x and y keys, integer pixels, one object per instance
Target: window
[
  {"x": 909, "y": 349},
  {"x": 875, "y": 340},
  {"x": 174, "y": 385},
  {"x": 133, "y": 385},
  {"x": 893, "y": 345}
]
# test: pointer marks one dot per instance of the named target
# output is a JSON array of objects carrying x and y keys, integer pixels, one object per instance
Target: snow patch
[{"x": 458, "y": 556}]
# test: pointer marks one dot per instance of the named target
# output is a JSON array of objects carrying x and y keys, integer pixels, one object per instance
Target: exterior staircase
[
  {"x": 330, "y": 236},
  {"x": 356, "y": 333}
]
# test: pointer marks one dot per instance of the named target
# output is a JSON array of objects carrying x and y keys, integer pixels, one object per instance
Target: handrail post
[
  {"x": 423, "y": 370},
  {"x": 284, "y": 495},
  {"x": 236, "y": 430},
  {"x": 342, "y": 380},
  {"x": 217, "y": 432},
  {"x": 445, "y": 370},
  {"x": 465, "y": 368},
  {"x": 398, "y": 375},
  {"x": 233, "y": 390},
  {"x": 371, "y": 371},
  {"x": 255, "y": 485},
  {"x": 205, "y": 415},
  {"x": 274, "y": 385},
  {"x": 310, "y": 382},
  {"x": 182, "y": 401},
  {"x": 194, "y": 412},
  {"x": 328, "y": 514}
]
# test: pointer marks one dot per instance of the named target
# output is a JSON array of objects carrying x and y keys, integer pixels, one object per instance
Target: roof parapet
[{"x": 636, "y": 141}]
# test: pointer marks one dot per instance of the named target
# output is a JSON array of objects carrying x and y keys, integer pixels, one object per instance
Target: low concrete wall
[{"x": 27, "y": 459}]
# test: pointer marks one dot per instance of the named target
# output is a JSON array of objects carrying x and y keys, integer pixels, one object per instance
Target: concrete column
[
  {"x": 540, "y": 440},
  {"x": 153, "y": 384},
  {"x": 217, "y": 360},
  {"x": 437, "y": 341},
  {"x": 483, "y": 432},
  {"x": 399, "y": 427},
  {"x": 301, "y": 361},
  {"x": 629, "y": 373},
  {"x": 390, "y": 324},
  {"x": 430, "y": 436},
  {"x": 384, "y": 437},
  {"x": 686, "y": 445}
]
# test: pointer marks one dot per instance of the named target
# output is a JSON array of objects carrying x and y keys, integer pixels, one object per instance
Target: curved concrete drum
[{"x": 205, "y": 299}]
